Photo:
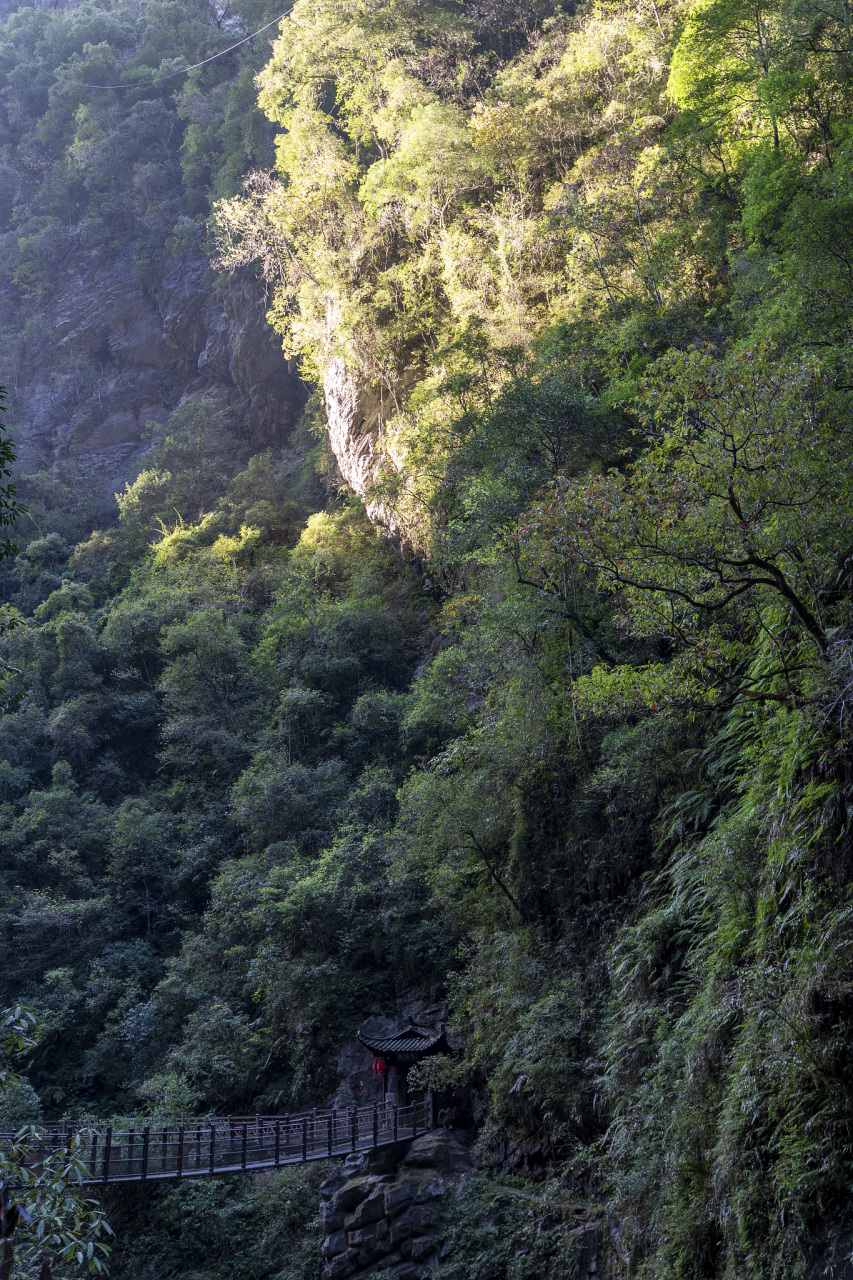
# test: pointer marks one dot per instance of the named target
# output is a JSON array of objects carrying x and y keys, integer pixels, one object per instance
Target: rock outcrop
[
  {"x": 354, "y": 417},
  {"x": 355, "y": 414},
  {"x": 116, "y": 351},
  {"x": 113, "y": 349},
  {"x": 382, "y": 1210}
]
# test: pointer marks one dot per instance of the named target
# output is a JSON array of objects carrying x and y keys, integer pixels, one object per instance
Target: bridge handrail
[{"x": 228, "y": 1144}]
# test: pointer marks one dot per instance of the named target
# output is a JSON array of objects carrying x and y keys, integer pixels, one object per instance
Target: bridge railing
[{"x": 235, "y": 1143}]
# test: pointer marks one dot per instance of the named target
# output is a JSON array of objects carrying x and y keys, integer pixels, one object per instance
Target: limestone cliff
[
  {"x": 354, "y": 416},
  {"x": 110, "y": 351},
  {"x": 355, "y": 413}
]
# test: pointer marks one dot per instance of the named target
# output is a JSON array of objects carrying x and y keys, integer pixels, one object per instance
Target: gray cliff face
[
  {"x": 382, "y": 1211},
  {"x": 350, "y": 433},
  {"x": 354, "y": 416},
  {"x": 113, "y": 353}
]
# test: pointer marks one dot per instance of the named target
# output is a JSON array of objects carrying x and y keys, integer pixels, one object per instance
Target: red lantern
[{"x": 379, "y": 1066}]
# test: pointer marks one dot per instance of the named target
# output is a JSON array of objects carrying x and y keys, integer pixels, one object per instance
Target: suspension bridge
[{"x": 232, "y": 1144}]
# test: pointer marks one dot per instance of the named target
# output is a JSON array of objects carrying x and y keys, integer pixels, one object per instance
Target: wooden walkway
[{"x": 236, "y": 1144}]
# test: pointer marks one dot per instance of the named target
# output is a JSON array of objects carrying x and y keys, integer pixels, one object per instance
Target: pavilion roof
[{"x": 409, "y": 1043}]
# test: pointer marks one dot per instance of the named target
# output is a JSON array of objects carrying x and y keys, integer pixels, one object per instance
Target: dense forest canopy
[{"x": 571, "y": 751}]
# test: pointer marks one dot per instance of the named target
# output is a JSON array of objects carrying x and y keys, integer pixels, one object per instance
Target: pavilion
[{"x": 394, "y": 1055}]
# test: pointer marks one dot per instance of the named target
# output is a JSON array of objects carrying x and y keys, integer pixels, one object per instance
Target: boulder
[
  {"x": 368, "y": 1235},
  {"x": 370, "y": 1210},
  {"x": 342, "y": 1266},
  {"x": 403, "y": 1271},
  {"x": 334, "y": 1244},
  {"x": 424, "y": 1247},
  {"x": 399, "y": 1196},
  {"x": 351, "y": 1194},
  {"x": 415, "y": 1221},
  {"x": 332, "y": 1217},
  {"x": 431, "y": 1190}
]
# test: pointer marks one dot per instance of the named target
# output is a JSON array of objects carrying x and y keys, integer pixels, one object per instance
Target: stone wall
[{"x": 382, "y": 1210}]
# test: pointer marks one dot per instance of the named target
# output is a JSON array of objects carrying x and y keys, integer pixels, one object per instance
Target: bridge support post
[
  {"x": 354, "y": 1127},
  {"x": 277, "y": 1143},
  {"x": 212, "y": 1154},
  {"x": 331, "y": 1131},
  {"x": 305, "y": 1138},
  {"x": 108, "y": 1144},
  {"x": 146, "y": 1141},
  {"x": 375, "y": 1125},
  {"x": 245, "y": 1143},
  {"x": 180, "y": 1150},
  {"x": 396, "y": 1112}
]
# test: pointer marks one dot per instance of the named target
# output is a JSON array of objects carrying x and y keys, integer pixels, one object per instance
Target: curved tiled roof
[{"x": 408, "y": 1041}]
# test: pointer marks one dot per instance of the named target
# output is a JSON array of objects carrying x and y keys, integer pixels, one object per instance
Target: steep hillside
[
  {"x": 570, "y": 751},
  {"x": 110, "y": 313}
]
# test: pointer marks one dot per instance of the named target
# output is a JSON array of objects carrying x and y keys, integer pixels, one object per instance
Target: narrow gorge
[{"x": 426, "y": 640}]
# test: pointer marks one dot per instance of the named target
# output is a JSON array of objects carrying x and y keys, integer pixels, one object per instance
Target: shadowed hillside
[{"x": 474, "y": 623}]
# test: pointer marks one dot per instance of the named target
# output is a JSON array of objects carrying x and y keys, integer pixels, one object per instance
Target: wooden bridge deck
[{"x": 235, "y": 1144}]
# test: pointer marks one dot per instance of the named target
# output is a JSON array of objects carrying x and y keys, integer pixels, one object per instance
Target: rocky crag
[
  {"x": 355, "y": 416},
  {"x": 382, "y": 1210},
  {"x": 111, "y": 350},
  {"x": 399, "y": 1213},
  {"x": 115, "y": 346}
]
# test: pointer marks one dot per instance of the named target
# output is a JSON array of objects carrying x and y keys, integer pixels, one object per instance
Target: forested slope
[{"x": 570, "y": 749}]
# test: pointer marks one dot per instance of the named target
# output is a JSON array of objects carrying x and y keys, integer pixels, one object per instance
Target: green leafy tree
[
  {"x": 730, "y": 527},
  {"x": 61, "y": 1225},
  {"x": 186, "y": 470}
]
